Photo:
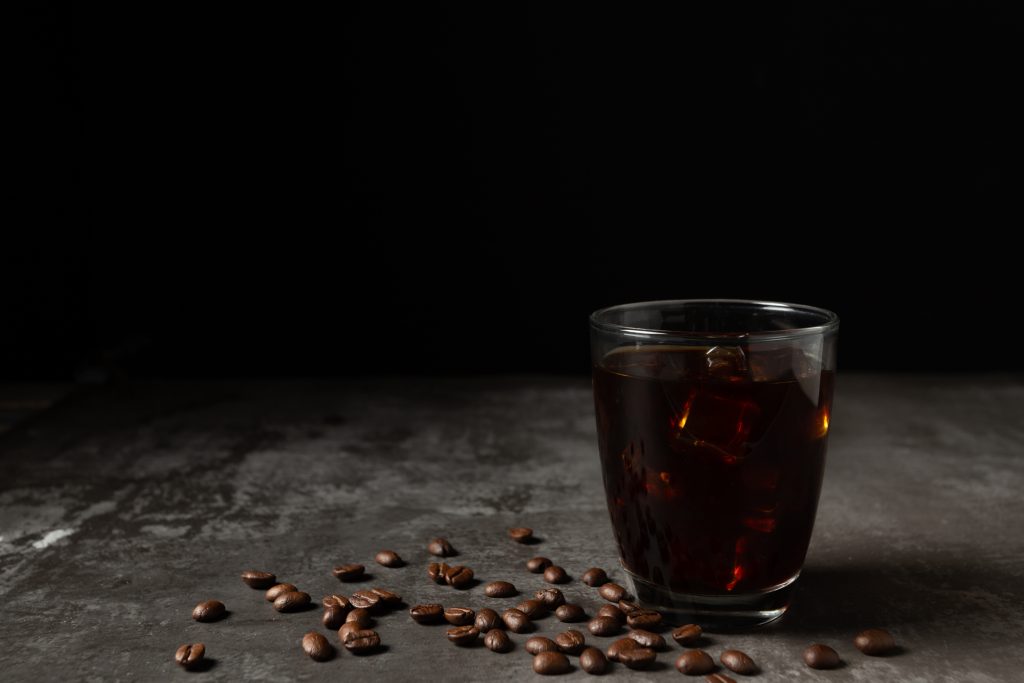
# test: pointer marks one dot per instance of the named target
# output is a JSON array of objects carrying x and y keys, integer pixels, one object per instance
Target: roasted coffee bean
[
  {"x": 516, "y": 621},
  {"x": 291, "y": 601},
  {"x": 463, "y": 635},
  {"x": 537, "y": 565},
  {"x": 459, "y": 577},
  {"x": 532, "y": 608},
  {"x": 874, "y": 642},
  {"x": 593, "y": 661},
  {"x": 628, "y": 607},
  {"x": 637, "y": 657},
  {"x": 603, "y": 626},
  {"x": 334, "y": 617},
  {"x": 387, "y": 597},
  {"x": 362, "y": 642},
  {"x": 191, "y": 655},
  {"x": 364, "y": 599},
  {"x": 255, "y": 579},
  {"x": 346, "y": 628},
  {"x": 616, "y": 648},
  {"x": 521, "y": 534},
  {"x": 555, "y": 574},
  {"x": 459, "y": 616},
  {"x": 538, "y": 644},
  {"x": 613, "y": 612},
  {"x": 339, "y": 601},
  {"x": 487, "y": 619},
  {"x": 612, "y": 592},
  {"x": 719, "y": 678},
  {"x": 317, "y": 647},
  {"x": 440, "y": 547},
  {"x": 690, "y": 634},
  {"x": 820, "y": 656},
  {"x": 551, "y": 664},
  {"x": 388, "y": 558},
  {"x": 647, "y": 639},
  {"x": 737, "y": 661},
  {"x": 570, "y": 613},
  {"x": 499, "y": 589},
  {"x": 436, "y": 571},
  {"x": 695, "y": 663},
  {"x": 551, "y": 597},
  {"x": 595, "y": 576},
  {"x": 427, "y": 614},
  {"x": 497, "y": 640},
  {"x": 211, "y": 610},
  {"x": 277, "y": 590},
  {"x": 570, "y": 642},
  {"x": 359, "y": 616},
  {"x": 644, "y": 618},
  {"x": 349, "y": 572}
]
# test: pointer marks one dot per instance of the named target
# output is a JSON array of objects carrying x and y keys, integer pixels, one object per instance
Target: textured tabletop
[{"x": 122, "y": 508}]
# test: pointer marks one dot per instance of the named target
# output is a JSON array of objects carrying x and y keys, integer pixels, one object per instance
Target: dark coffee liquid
[{"x": 712, "y": 459}]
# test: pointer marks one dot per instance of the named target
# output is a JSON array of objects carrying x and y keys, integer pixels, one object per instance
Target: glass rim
[{"x": 829, "y": 320}]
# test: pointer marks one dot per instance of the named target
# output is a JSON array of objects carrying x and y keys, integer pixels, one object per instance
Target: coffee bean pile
[{"x": 634, "y": 627}]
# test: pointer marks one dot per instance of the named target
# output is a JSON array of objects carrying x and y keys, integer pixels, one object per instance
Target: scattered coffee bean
[
  {"x": 551, "y": 597},
  {"x": 537, "y": 565},
  {"x": 687, "y": 635},
  {"x": 211, "y": 610},
  {"x": 595, "y": 576},
  {"x": 570, "y": 642},
  {"x": 820, "y": 656},
  {"x": 532, "y": 608},
  {"x": 644, "y": 618},
  {"x": 255, "y": 579},
  {"x": 875, "y": 642},
  {"x": 459, "y": 577},
  {"x": 274, "y": 591},
  {"x": 497, "y": 640},
  {"x": 388, "y": 558},
  {"x": 334, "y": 617},
  {"x": 612, "y": 592},
  {"x": 719, "y": 678},
  {"x": 555, "y": 574},
  {"x": 346, "y": 628},
  {"x": 487, "y": 619},
  {"x": 291, "y": 601},
  {"x": 387, "y": 597},
  {"x": 427, "y": 614},
  {"x": 613, "y": 612},
  {"x": 538, "y": 644},
  {"x": 737, "y": 661},
  {"x": 521, "y": 534},
  {"x": 647, "y": 639},
  {"x": 349, "y": 572},
  {"x": 339, "y": 601},
  {"x": 364, "y": 599},
  {"x": 317, "y": 647},
  {"x": 463, "y": 635},
  {"x": 359, "y": 616},
  {"x": 362, "y": 641},
  {"x": 616, "y": 648},
  {"x": 603, "y": 626},
  {"x": 440, "y": 547},
  {"x": 695, "y": 663},
  {"x": 570, "y": 613},
  {"x": 516, "y": 621},
  {"x": 436, "y": 571},
  {"x": 593, "y": 661},
  {"x": 499, "y": 589},
  {"x": 191, "y": 655},
  {"x": 637, "y": 657},
  {"x": 628, "y": 607},
  {"x": 459, "y": 616},
  {"x": 551, "y": 664}
]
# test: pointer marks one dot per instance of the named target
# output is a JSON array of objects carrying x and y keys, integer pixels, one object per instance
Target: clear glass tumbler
[{"x": 712, "y": 422}]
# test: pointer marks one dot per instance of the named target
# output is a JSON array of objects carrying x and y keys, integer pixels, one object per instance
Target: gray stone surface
[{"x": 121, "y": 509}]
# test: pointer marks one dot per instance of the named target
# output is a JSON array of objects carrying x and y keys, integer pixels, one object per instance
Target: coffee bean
[
  {"x": 737, "y": 661},
  {"x": 647, "y": 639},
  {"x": 612, "y": 592},
  {"x": 499, "y": 589},
  {"x": 364, "y": 599},
  {"x": 255, "y": 579},
  {"x": 616, "y": 648},
  {"x": 613, "y": 612},
  {"x": 593, "y": 661},
  {"x": 339, "y": 601},
  {"x": 436, "y": 571},
  {"x": 346, "y": 628},
  {"x": 820, "y": 656},
  {"x": 334, "y": 617},
  {"x": 637, "y": 657},
  {"x": 362, "y": 642},
  {"x": 291, "y": 601},
  {"x": 497, "y": 640},
  {"x": 440, "y": 547},
  {"x": 388, "y": 558},
  {"x": 695, "y": 663},
  {"x": 644, "y": 618},
  {"x": 211, "y": 610},
  {"x": 551, "y": 664},
  {"x": 570, "y": 642},
  {"x": 595, "y": 576},
  {"x": 719, "y": 678},
  {"x": 459, "y": 577},
  {"x": 277, "y": 590},
  {"x": 537, "y": 565},
  {"x": 551, "y": 597},
  {"x": 427, "y": 614},
  {"x": 463, "y": 635},
  {"x": 521, "y": 534},
  {"x": 348, "y": 572},
  {"x": 570, "y": 613},
  {"x": 690, "y": 634},
  {"x": 387, "y": 598},
  {"x": 555, "y": 574},
  {"x": 516, "y": 621},
  {"x": 875, "y": 642},
  {"x": 603, "y": 626},
  {"x": 487, "y": 619},
  {"x": 459, "y": 616},
  {"x": 359, "y": 616},
  {"x": 628, "y": 607},
  {"x": 538, "y": 644},
  {"x": 532, "y": 608},
  {"x": 317, "y": 647},
  {"x": 191, "y": 655}
]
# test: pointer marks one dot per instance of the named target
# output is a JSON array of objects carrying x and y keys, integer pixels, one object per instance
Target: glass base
[{"x": 715, "y": 612}]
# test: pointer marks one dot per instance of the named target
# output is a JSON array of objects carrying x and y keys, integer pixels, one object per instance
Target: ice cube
[
  {"x": 718, "y": 424},
  {"x": 726, "y": 361}
]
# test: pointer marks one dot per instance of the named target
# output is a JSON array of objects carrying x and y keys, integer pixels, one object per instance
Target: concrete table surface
[{"x": 122, "y": 508}]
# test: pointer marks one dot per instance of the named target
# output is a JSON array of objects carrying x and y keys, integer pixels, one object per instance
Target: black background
[{"x": 271, "y": 190}]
